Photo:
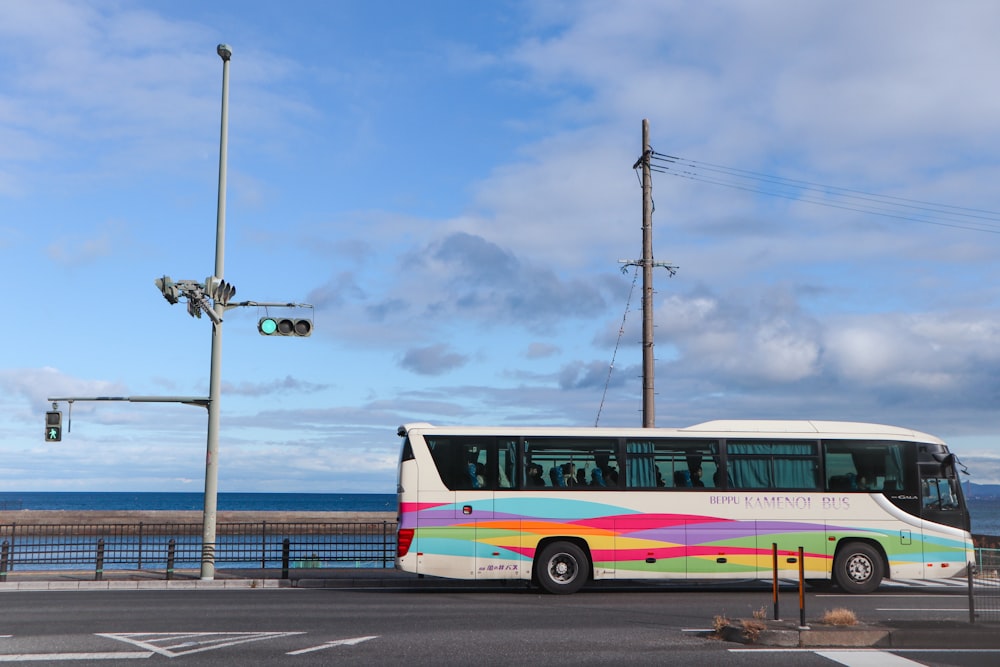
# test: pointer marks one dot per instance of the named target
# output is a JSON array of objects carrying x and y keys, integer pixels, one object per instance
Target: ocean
[
  {"x": 246, "y": 502},
  {"x": 985, "y": 510}
]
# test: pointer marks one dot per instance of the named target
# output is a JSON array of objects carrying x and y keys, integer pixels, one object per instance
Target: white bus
[{"x": 563, "y": 506}]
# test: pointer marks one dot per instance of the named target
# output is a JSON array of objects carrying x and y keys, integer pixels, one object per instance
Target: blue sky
[{"x": 450, "y": 185}]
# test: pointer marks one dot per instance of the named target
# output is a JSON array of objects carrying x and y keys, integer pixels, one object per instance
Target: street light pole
[{"x": 215, "y": 378}]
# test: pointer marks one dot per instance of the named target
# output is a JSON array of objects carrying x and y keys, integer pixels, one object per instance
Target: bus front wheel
[
  {"x": 858, "y": 568},
  {"x": 563, "y": 568}
]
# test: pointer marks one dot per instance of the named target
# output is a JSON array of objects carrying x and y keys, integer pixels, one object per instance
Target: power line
[
  {"x": 621, "y": 332},
  {"x": 899, "y": 208}
]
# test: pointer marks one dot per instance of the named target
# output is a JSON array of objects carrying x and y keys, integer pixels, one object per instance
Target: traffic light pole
[
  {"x": 215, "y": 377},
  {"x": 198, "y": 296}
]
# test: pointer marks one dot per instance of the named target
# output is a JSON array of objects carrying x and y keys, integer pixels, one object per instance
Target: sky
[{"x": 450, "y": 186}]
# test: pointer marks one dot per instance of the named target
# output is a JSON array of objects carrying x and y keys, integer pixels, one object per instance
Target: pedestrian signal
[{"x": 53, "y": 426}]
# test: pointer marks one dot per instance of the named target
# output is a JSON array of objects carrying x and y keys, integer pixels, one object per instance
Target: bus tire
[
  {"x": 858, "y": 568},
  {"x": 563, "y": 568}
]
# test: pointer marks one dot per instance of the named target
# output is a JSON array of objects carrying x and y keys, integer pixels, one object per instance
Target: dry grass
[
  {"x": 752, "y": 629},
  {"x": 839, "y": 616},
  {"x": 760, "y": 614},
  {"x": 719, "y": 623}
]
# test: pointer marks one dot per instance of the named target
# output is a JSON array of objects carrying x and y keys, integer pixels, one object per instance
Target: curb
[{"x": 908, "y": 635}]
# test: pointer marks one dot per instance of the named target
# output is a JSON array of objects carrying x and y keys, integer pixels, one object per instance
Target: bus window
[
  {"x": 672, "y": 464},
  {"x": 860, "y": 465},
  {"x": 569, "y": 463},
  {"x": 758, "y": 464},
  {"x": 466, "y": 462},
  {"x": 938, "y": 493}
]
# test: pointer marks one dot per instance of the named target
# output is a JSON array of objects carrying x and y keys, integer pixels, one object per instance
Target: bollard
[
  {"x": 171, "y": 553},
  {"x": 4, "y": 557},
  {"x": 99, "y": 570},
  {"x": 774, "y": 577},
  {"x": 802, "y": 590},
  {"x": 285, "y": 553},
  {"x": 972, "y": 600}
]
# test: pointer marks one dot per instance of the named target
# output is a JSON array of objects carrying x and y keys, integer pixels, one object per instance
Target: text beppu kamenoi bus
[{"x": 561, "y": 506}]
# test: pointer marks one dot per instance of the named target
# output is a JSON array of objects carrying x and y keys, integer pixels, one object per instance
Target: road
[{"x": 441, "y": 626}]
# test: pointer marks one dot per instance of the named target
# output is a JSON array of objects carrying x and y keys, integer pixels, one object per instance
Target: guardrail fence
[
  {"x": 173, "y": 546},
  {"x": 984, "y": 586}
]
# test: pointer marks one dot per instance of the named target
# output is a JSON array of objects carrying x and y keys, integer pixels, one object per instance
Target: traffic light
[
  {"x": 53, "y": 426},
  {"x": 284, "y": 326}
]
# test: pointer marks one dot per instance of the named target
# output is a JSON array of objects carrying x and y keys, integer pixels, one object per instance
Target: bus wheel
[
  {"x": 858, "y": 568},
  {"x": 563, "y": 568}
]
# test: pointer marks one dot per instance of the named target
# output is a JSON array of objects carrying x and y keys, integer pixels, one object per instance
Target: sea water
[{"x": 247, "y": 502}]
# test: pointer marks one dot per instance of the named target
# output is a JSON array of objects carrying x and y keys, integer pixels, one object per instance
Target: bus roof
[{"x": 717, "y": 428}]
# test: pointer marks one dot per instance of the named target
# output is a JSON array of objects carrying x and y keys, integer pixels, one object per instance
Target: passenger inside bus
[
  {"x": 608, "y": 474},
  {"x": 569, "y": 474}
]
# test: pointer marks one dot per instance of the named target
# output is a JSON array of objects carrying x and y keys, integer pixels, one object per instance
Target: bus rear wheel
[
  {"x": 563, "y": 568},
  {"x": 858, "y": 568}
]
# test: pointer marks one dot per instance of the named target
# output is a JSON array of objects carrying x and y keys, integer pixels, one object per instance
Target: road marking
[
  {"x": 173, "y": 644},
  {"x": 851, "y": 657},
  {"x": 962, "y": 611},
  {"x": 33, "y": 657},
  {"x": 337, "y": 642},
  {"x": 867, "y": 658},
  {"x": 882, "y": 596}
]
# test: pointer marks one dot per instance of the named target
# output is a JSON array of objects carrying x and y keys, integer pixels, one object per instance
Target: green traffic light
[{"x": 267, "y": 326}]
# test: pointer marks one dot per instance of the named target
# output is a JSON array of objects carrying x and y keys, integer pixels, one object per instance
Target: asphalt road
[{"x": 440, "y": 626}]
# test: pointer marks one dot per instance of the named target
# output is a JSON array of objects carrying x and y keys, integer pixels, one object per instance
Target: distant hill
[{"x": 974, "y": 490}]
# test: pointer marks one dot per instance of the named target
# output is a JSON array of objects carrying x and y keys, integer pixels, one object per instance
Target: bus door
[
  {"x": 450, "y": 515},
  {"x": 477, "y": 469},
  {"x": 940, "y": 494},
  {"x": 497, "y": 538}
]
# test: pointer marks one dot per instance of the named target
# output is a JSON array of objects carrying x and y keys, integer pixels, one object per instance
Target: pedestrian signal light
[
  {"x": 284, "y": 326},
  {"x": 53, "y": 426}
]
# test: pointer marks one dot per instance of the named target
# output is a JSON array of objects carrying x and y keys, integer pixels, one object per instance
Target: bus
[{"x": 559, "y": 507}]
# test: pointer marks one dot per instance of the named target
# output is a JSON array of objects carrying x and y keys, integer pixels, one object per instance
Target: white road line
[
  {"x": 34, "y": 657},
  {"x": 882, "y": 596},
  {"x": 867, "y": 658},
  {"x": 955, "y": 611},
  {"x": 336, "y": 642},
  {"x": 173, "y": 644}
]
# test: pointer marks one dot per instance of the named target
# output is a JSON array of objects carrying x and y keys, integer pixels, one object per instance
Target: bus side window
[
  {"x": 674, "y": 464},
  {"x": 468, "y": 463}
]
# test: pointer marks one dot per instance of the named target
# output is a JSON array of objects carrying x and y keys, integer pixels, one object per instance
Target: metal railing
[
  {"x": 179, "y": 546},
  {"x": 984, "y": 586}
]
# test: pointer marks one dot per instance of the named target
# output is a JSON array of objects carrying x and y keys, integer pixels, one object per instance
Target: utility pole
[
  {"x": 647, "y": 264},
  {"x": 648, "y": 395}
]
